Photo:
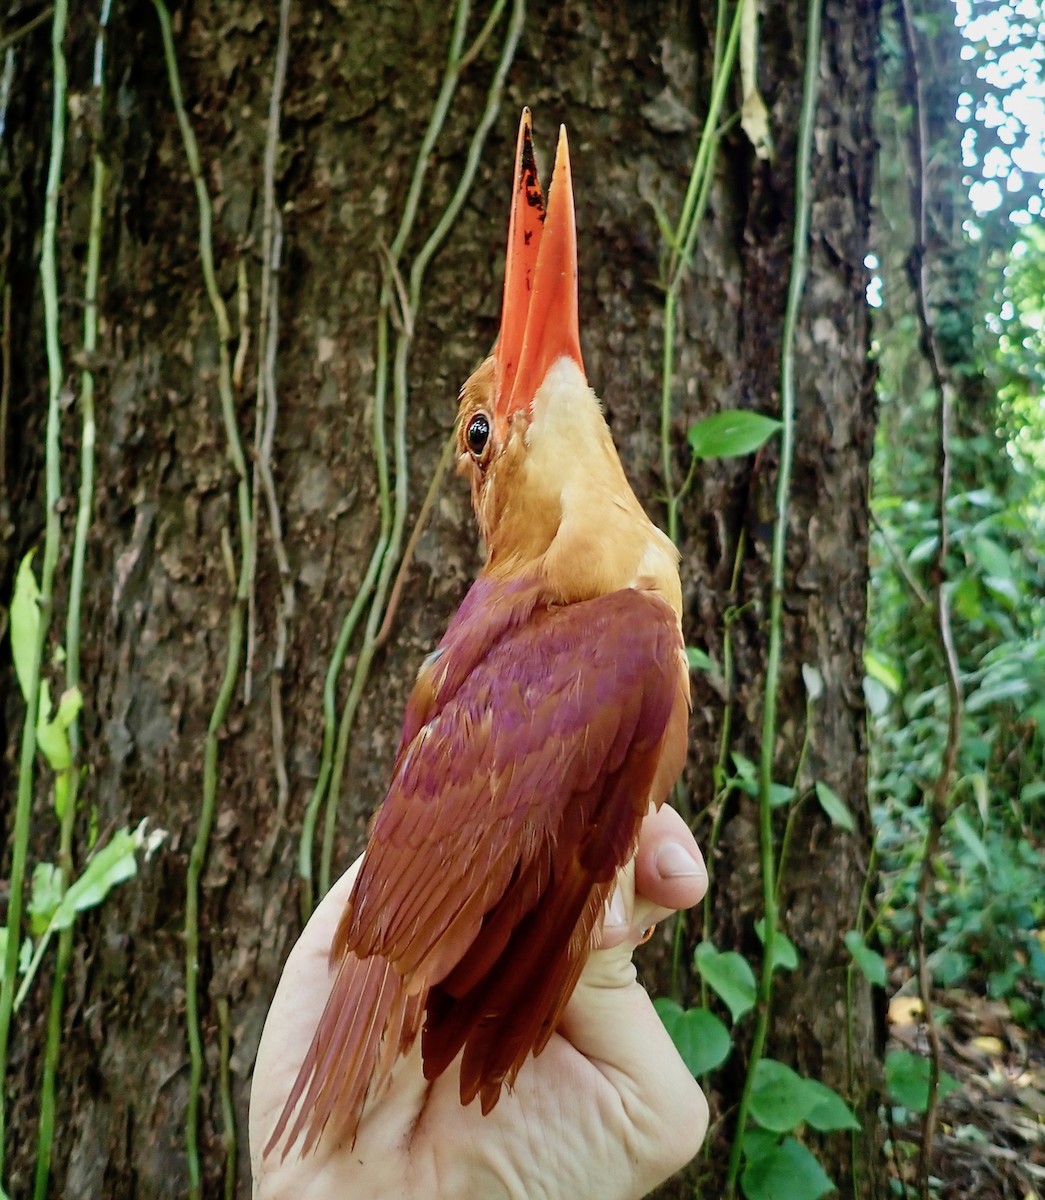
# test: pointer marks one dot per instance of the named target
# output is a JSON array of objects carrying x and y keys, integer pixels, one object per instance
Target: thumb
[{"x": 611, "y": 1021}]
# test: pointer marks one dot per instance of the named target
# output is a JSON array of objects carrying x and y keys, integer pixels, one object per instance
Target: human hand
[{"x": 608, "y": 1109}]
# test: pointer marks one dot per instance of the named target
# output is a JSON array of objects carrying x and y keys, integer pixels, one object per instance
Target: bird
[{"x": 549, "y": 717}]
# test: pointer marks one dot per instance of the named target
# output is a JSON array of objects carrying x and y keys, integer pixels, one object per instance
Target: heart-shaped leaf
[
  {"x": 729, "y": 975},
  {"x": 785, "y": 1172},
  {"x": 703, "y": 1042},
  {"x": 780, "y": 1098},
  {"x": 730, "y": 434}
]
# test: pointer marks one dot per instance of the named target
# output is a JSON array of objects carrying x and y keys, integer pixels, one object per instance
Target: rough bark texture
[{"x": 632, "y": 82}]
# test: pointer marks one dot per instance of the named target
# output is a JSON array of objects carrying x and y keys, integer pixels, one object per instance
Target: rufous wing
[{"x": 532, "y": 745}]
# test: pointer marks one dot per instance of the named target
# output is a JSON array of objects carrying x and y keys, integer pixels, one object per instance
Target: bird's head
[{"x": 530, "y": 430}]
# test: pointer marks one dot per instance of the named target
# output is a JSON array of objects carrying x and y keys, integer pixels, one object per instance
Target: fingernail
[
  {"x": 674, "y": 861},
  {"x": 616, "y": 913}
]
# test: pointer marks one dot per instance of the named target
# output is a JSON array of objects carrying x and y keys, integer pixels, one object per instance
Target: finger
[
  {"x": 618, "y": 920},
  {"x": 667, "y": 874},
  {"x": 669, "y": 868},
  {"x": 611, "y": 1020}
]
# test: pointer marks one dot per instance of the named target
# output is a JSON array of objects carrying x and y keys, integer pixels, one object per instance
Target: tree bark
[{"x": 632, "y": 82}]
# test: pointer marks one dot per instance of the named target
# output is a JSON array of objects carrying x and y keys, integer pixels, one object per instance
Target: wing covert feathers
[{"x": 535, "y": 738}]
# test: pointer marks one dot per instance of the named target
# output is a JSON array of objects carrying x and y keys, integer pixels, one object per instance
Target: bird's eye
[{"x": 478, "y": 434}]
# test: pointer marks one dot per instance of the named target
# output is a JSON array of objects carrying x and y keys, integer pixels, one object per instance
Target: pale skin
[{"x": 608, "y": 1109}]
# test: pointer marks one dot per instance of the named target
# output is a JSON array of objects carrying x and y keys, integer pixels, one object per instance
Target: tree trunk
[{"x": 166, "y": 542}]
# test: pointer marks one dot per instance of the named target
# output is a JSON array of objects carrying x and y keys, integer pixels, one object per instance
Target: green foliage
[
  {"x": 782, "y": 1170},
  {"x": 45, "y": 897},
  {"x": 869, "y": 961},
  {"x": 785, "y": 954},
  {"x": 746, "y": 780},
  {"x": 991, "y": 869},
  {"x": 25, "y": 622},
  {"x": 780, "y": 1101},
  {"x": 52, "y": 907},
  {"x": 987, "y": 909},
  {"x": 52, "y": 731},
  {"x": 730, "y": 977},
  {"x": 830, "y": 1111},
  {"x": 701, "y": 1038},
  {"x": 730, "y": 434},
  {"x": 985, "y": 904},
  {"x": 835, "y": 807},
  {"x": 699, "y": 660},
  {"x": 907, "y": 1080}
]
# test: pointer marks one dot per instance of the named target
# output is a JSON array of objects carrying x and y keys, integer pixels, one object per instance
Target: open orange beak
[{"x": 539, "y": 315}]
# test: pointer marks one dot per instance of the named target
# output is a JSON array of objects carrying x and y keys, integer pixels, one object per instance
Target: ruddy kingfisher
[{"x": 551, "y": 715}]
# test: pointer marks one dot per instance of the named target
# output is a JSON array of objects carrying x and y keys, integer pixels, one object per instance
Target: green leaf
[
  {"x": 925, "y": 549},
  {"x": 746, "y": 778},
  {"x": 731, "y": 434},
  {"x": 757, "y": 1143},
  {"x": 61, "y": 794},
  {"x": 46, "y": 896},
  {"x": 972, "y": 840},
  {"x": 44, "y": 714},
  {"x": 785, "y": 953},
  {"x": 667, "y": 229},
  {"x": 746, "y": 769},
  {"x": 25, "y": 623},
  {"x": 870, "y": 962},
  {"x": 69, "y": 707},
  {"x": 994, "y": 560},
  {"x": 787, "y": 1172},
  {"x": 729, "y": 975},
  {"x": 52, "y": 735},
  {"x": 1032, "y": 791},
  {"x": 994, "y": 692},
  {"x": 703, "y": 1042},
  {"x": 111, "y": 865},
  {"x": 53, "y": 742},
  {"x": 780, "y": 1098},
  {"x": 835, "y": 807},
  {"x": 968, "y": 598},
  {"x": 886, "y": 674},
  {"x": 981, "y": 498},
  {"x": 907, "y": 1079},
  {"x": 699, "y": 660},
  {"x": 981, "y": 793},
  {"x": 950, "y": 967},
  {"x": 831, "y": 1111},
  {"x": 1005, "y": 588},
  {"x": 780, "y": 794}
]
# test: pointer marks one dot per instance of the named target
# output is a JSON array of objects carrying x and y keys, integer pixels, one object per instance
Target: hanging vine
[
  {"x": 398, "y": 306},
  {"x": 240, "y": 582},
  {"x": 30, "y": 675}
]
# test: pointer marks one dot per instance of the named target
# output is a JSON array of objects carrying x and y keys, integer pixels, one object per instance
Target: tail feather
[
  {"x": 512, "y": 1010},
  {"x": 368, "y": 1021},
  {"x": 530, "y": 990}
]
